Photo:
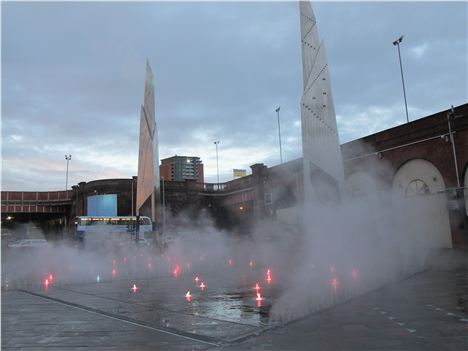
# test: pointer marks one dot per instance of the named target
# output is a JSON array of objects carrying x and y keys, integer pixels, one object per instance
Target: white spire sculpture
[
  {"x": 322, "y": 161},
  {"x": 148, "y": 154}
]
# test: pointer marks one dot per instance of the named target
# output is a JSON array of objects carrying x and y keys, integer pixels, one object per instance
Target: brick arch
[
  {"x": 418, "y": 168},
  {"x": 428, "y": 210},
  {"x": 359, "y": 184}
]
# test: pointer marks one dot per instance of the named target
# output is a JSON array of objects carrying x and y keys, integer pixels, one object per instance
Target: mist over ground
[{"x": 335, "y": 252}]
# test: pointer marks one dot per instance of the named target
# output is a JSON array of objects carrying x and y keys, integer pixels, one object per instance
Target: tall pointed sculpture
[
  {"x": 148, "y": 155},
  {"x": 323, "y": 165}
]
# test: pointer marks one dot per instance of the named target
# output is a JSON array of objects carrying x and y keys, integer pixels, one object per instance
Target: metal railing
[{"x": 235, "y": 184}]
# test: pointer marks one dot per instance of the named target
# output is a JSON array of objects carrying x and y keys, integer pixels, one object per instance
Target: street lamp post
[
  {"x": 217, "y": 163},
  {"x": 163, "y": 205},
  {"x": 452, "y": 114},
  {"x": 279, "y": 133},
  {"x": 133, "y": 181},
  {"x": 397, "y": 44},
  {"x": 68, "y": 158}
]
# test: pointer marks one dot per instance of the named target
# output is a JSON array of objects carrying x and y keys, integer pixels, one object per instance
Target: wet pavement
[
  {"x": 34, "y": 323},
  {"x": 427, "y": 311},
  {"x": 220, "y": 315}
]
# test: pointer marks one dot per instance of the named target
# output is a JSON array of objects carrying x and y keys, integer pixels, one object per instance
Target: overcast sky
[{"x": 73, "y": 80}]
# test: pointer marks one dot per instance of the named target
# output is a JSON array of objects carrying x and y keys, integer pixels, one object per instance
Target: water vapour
[
  {"x": 353, "y": 246},
  {"x": 329, "y": 253}
]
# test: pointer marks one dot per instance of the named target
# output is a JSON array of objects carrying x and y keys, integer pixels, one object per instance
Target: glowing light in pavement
[
  {"x": 188, "y": 296},
  {"x": 98, "y": 279},
  {"x": 269, "y": 276},
  {"x": 176, "y": 271},
  {"x": 134, "y": 288},
  {"x": 334, "y": 283},
  {"x": 230, "y": 262},
  {"x": 354, "y": 274},
  {"x": 259, "y": 300},
  {"x": 46, "y": 283},
  {"x": 114, "y": 273},
  {"x": 197, "y": 279},
  {"x": 202, "y": 286},
  {"x": 51, "y": 278},
  {"x": 257, "y": 287},
  {"x": 251, "y": 264}
]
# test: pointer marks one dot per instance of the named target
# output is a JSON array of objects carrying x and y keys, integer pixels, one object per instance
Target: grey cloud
[{"x": 73, "y": 74}]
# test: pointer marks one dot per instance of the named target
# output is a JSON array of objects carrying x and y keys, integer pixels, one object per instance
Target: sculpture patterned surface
[
  {"x": 320, "y": 140},
  {"x": 148, "y": 155}
]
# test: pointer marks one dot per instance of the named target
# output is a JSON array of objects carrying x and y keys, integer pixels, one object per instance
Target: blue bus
[{"x": 121, "y": 227}]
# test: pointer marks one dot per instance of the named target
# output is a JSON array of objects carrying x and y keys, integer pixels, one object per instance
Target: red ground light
[
  {"x": 259, "y": 300},
  {"x": 334, "y": 283},
  {"x": 176, "y": 271}
]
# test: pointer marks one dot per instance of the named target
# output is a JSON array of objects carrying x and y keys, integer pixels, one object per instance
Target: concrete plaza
[{"x": 428, "y": 311}]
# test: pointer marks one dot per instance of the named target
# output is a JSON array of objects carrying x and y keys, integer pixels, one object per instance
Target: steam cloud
[{"x": 336, "y": 252}]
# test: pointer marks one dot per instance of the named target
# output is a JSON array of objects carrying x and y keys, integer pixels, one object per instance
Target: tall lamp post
[
  {"x": 397, "y": 44},
  {"x": 279, "y": 133},
  {"x": 217, "y": 163},
  {"x": 68, "y": 158},
  {"x": 451, "y": 113},
  {"x": 163, "y": 205}
]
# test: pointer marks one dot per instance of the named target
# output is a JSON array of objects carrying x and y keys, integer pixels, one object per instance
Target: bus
[{"x": 121, "y": 227}]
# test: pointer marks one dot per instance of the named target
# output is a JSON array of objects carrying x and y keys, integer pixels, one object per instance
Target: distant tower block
[
  {"x": 148, "y": 155},
  {"x": 323, "y": 165}
]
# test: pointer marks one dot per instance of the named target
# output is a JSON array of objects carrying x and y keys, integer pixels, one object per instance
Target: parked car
[{"x": 28, "y": 243}]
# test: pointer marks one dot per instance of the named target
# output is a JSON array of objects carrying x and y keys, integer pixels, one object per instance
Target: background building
[
  {"x": 424, "y": 163},
  {"x": 420, "y": 159},
  {"x": 180, "y": 168}
]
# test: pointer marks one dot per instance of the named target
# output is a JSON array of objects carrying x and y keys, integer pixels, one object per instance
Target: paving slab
[{"x": 32, "y": 322}]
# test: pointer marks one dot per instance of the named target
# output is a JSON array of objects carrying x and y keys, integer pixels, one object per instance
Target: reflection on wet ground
[
  {"x": 217, "y": 312},
  {"x": 226, "y": 303},
  {"x": 138, "y": 287}
]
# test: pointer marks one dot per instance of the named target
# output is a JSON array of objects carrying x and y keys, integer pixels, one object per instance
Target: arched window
[{"x": 416, "y": 187}]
